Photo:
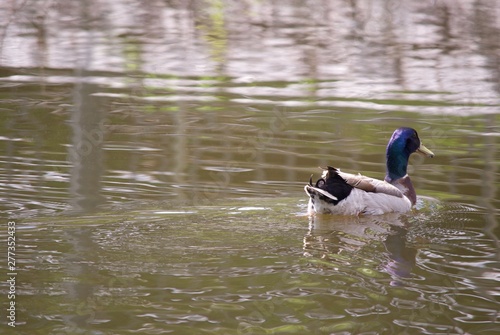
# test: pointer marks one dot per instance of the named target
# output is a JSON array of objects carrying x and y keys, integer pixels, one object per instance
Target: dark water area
[{"x": 153, "y": 158}]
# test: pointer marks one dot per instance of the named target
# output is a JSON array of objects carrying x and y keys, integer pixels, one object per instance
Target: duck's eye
[{"x": 413, "y": 138}]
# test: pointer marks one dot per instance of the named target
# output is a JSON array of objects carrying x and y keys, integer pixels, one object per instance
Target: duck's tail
[{"x": 331, "y": 187}]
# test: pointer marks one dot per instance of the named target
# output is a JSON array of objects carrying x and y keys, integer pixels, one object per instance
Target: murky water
[{"x": 154, "y": 157}]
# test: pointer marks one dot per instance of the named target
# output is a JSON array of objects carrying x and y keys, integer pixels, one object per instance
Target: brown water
[{"x": 154, "y": 156}]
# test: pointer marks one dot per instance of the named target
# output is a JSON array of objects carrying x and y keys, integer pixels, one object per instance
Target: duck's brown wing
[{"x": 365, "y": 183}]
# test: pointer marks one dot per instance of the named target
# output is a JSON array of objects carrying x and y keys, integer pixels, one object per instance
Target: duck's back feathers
[
  {"x": 368, "y": 184},
  {"x": 343, "y": 193}
]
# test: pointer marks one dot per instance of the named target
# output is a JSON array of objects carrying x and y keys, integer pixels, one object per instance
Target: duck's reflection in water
[
  {"x": 345, "y": 240},
  {"x": 402, "y": 257}
]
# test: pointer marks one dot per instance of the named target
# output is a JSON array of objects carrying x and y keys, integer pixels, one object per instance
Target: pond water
[{"x": 154, "y": 156}]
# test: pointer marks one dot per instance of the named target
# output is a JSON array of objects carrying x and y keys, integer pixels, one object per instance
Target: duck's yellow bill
[{"x": 424, "y": 151}]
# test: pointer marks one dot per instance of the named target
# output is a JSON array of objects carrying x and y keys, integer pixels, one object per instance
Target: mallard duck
[{"x": 337, "y": 192}]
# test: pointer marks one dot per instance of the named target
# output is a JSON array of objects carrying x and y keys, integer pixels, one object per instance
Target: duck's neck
[{"x": 397, "y": 164}]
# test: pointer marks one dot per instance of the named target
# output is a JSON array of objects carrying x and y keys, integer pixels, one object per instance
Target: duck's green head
[{"x": 403, "y": 143}]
